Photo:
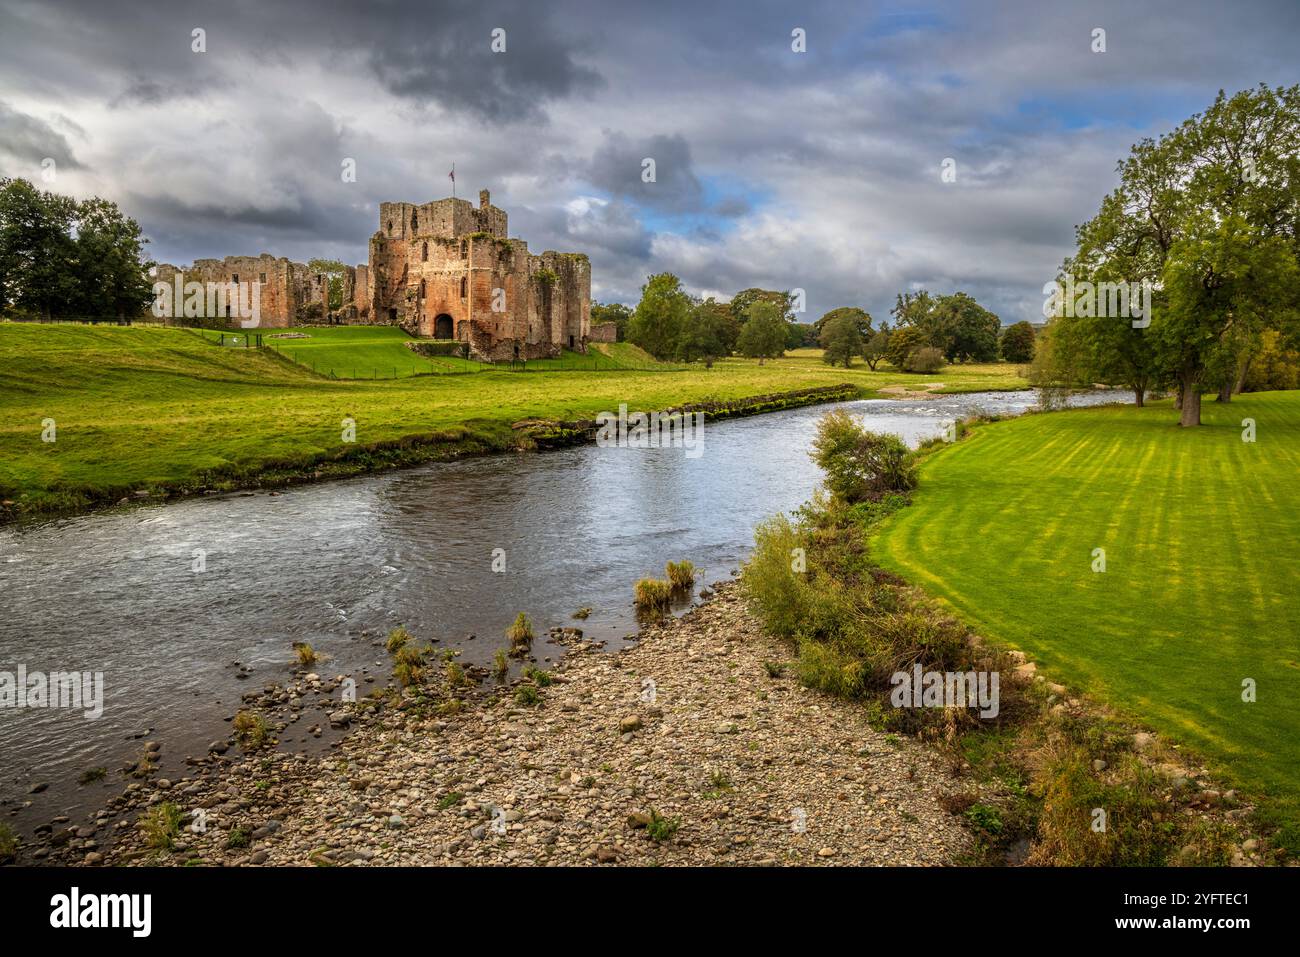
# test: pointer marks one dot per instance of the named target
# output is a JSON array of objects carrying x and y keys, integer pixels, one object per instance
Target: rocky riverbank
[{"x": 694, "y": 746}]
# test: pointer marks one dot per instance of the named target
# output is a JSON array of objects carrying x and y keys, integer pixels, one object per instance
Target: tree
[
  {"x": 1206, "y": 217},
  {"x": 920, "y": 311},
  {"x": 860, "y": 317},
  {"x": 660, "y": 316},
  {"x": 614, "y": 312},
  {"x": 59, "y": 257},
  {"x": 1276, "y": 365},
  {"x": 969, "y": 331},
  {"x": 37, "y": 250},
  {"x": 1018, "y": 343},
  {"x": 1220, "y": 279},
  {"x": 707, "y": 334},
  {"x": 742, "y": 300},
  {"x": 763, "y": 334},
  {"x": 876, "y": 348},
  {"x": 841, "y": 339},
  {"x": 903, "y": 341},
  {"x": 799, "y": 335}
]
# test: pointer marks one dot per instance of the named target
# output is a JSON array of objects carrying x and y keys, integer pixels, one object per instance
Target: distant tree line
[
  {"x": 671, "y": 324},
  {"x": 1204, "y": 225},
  {"x": 60, "y": 257}
]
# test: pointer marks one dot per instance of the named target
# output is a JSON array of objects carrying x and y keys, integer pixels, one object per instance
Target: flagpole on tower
[{"x": 452, "y": 174}]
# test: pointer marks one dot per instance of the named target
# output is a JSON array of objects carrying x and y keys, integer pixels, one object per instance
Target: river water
[{"x": 339, "y": 564}]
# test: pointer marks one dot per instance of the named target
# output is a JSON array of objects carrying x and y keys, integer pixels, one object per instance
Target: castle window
[
  {"x": 464, "y": 249},
  {"x": 234, "y": 277},
  {"x": 424, "y": 253},
  {"x": 464, "y": 286},
  {"x": 421, "y": 288},
  {"x": 390, "y": 227},
  {"x": 413, "y": 223},
  {"x": 261, "y": 277}
]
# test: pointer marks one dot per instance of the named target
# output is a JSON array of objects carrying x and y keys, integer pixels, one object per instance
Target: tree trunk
[
  {"x": 1141, "y": 394},
  {"x": 1241, "y": 378},
  {"x": 1191, "y": 406},
  {"x": 1225, "y": 392}
]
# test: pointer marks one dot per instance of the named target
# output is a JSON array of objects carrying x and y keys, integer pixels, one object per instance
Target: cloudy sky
[{"x": 818, "y": 170}]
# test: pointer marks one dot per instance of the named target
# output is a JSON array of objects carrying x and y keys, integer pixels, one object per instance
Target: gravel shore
[{"x": 682, "y": 749}]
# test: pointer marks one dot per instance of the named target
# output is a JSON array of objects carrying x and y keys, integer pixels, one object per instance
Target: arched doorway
[{"x": 442, "y": 327}]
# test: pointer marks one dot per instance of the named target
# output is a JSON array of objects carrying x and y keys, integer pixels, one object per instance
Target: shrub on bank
[{"x": 861, "y": 465}]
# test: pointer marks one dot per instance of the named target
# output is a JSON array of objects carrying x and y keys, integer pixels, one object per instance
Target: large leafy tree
[
  {"x": 661, "y": 316},
  {"x": 38, "y": 254},
  {"x": 970, "y": 331},
  {"x": 841, "y": 338},
  {"x": 1207, "y": 215},
  {"x": 1017, "y": 343},
  {"x": 763, "y": 334},
  {"x": 708, "y": 334},
  {"x": 877, "y": 347},
  {"x": 861, "y": 318},
  {"x": 60, "y": 257},
  {"x": 957, "y": 325},
  {"x": 742, "y": 300}
]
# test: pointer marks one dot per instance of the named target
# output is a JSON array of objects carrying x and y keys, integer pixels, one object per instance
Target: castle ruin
[{"x": 442, "y": 270}]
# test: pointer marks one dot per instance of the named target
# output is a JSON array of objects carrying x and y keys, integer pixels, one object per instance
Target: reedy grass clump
[
  {"x": 161, "y": 825},
  {"x": 653, "y": 594},
  {"x": 681, "y": 575},
  {"x": 520, "y": 634},
  {"x": 409, "y": 664},
  {"x": 307, "y": 656},
  {"x": 398, "y": 637},
  {"x": 251, "y": 730}
]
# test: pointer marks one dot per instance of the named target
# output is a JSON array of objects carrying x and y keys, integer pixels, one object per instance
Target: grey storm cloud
[
  {"x": 817, "y": 170},
  {"x": 29, "y": 140},
  {"x": 655, "y": 171}
]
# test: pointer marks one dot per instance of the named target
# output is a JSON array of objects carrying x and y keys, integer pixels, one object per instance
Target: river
[{"x": 339, "y": 564}]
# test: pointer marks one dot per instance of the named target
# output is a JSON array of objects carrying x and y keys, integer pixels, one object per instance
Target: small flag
[{"x": 452, "y": 174}]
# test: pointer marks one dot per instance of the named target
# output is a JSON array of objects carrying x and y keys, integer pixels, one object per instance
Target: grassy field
[
  {"x": 380, "y": 352},
  {"x": 140, "y": 406},
  {"x": 1201, "y": 588}
]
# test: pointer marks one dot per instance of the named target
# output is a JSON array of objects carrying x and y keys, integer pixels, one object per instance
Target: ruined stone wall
[
  {"x": 291, "y": 293},
  {"x": 282, "y": 291},
  {"x": 603, "y": 332}
]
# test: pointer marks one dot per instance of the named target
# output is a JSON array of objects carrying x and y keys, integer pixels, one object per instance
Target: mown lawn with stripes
[{"x": 1201, "y": 588}]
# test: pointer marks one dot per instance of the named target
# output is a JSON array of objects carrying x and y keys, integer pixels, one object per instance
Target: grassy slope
[
  {"x": 138, "y": 406},
  {"x": 1202, "y": 539}
]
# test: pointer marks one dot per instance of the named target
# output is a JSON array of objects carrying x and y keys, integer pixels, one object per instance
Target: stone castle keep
[{"x": 444, "y": 270}]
